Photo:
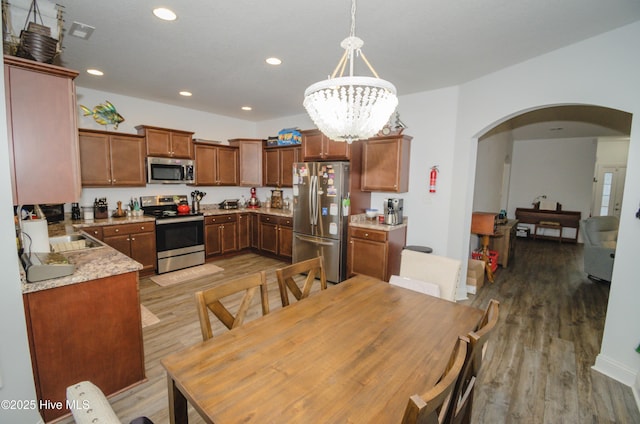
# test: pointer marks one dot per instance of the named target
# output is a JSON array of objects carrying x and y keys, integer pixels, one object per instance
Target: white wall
[{"x": 599, "y": 71}]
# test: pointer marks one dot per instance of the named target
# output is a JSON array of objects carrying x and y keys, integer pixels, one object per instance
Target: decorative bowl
[{"x": 371, "y": 213}]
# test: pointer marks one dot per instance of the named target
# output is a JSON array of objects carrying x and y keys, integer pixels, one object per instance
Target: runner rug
[{"x": 184, "y": 275}]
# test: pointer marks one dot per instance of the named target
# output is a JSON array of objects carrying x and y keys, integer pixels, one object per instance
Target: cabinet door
[
  {"x": 127, "y": 161},
  {"x": 181, "y": 145},
  {"x": 227, "y": 167},
  {"x": 95, "y": 162},
  {"x": 244, "y": 231},
  {"x": 250, "y": 162},
  {"x": 367, "y": 257},
  {"x": 269, "y": 237},
  {"x": 285, "y": 241},
  {"x": 255, "y": 231},
  {"x": 158, "y": 142},
  {"x": 43, "y": 135},
  {"x": 229, "y": 237},
  {"x": 336, "y": 150},
  {"x": 288, "y": 157},
  {"x": 312, "y": 145},
  {"x": 143, "y": 250},
  {"x": 205, "y": 161},
  {"x": 385, "y": 163},
  {"x": 120, "y": 242},
  {"x": 271, "y": 167},
  {"x": 212, "y": 239}
]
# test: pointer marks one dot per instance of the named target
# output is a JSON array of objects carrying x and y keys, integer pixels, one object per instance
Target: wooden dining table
[{"x": 353, "y": 353}]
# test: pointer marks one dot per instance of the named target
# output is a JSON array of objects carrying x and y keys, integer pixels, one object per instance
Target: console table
[
  {"x": 540, "y": 218},
  {"x": 504, "y": 244}
]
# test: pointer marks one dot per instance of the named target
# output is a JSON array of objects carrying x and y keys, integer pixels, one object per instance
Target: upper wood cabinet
[
  {"x": 111, "y": 159},
  {"x": 165, "y": 142},
  {"x": 43, "y": 132},
  {"x": 317, "y": 147},
  {"x": 385, "y": 163},
  {"x": 216, "y": 165},
  {"x": 278, "y": 165},
  {"x": 250, "y": 160}
]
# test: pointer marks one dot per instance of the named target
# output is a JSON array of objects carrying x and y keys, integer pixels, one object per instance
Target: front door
[{"x": 609, "y": 186}]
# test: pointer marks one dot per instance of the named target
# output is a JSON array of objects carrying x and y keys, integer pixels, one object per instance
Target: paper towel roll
[{"x": 38, "y": 240}]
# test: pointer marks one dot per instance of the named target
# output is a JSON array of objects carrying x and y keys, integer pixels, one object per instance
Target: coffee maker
[{"x": 392, "y": 211}]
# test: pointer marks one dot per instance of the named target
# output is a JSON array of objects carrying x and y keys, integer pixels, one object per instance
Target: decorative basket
[{"x": 36, "y": 42}]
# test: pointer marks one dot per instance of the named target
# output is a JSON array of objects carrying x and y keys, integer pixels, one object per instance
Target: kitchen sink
[{"x": 76, "y": 241}]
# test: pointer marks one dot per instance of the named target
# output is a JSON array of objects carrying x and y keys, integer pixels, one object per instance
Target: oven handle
[{"x": 175, "y": 220}]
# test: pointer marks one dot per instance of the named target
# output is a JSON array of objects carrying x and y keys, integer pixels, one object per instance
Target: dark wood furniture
[
  {"x": 111, "y": 159},
  {"x": 504, "y": 242},
  {"x": 278, "y": 165},
  {"x": 313, "y": 268},
  {"x": 385, "y": 163},
  {"x": 276, "y": 235},
  {"x": 220, "y": 234},
  {"x": 375, "y": 252},
  {"x": 216, "y": 165},
  {"x": 42, "y": 131},
  {"x": 136, "y": 240},
  {"x": 352, "y": 353},
  {"x": 85, "y": 331},
  {"x": 209, "y": 300},
  {"x": 565, "y": 219},
  {"x": 250, "y": 152},
  {"x": 317, "y": 147},
  {"x": 164, "y": 142}
]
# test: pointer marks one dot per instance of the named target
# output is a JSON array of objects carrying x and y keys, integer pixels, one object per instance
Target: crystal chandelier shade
[{"x": 353, "y": 107}]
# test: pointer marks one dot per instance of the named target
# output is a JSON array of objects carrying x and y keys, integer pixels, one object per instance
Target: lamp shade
[{"x": 483, "y": 223}]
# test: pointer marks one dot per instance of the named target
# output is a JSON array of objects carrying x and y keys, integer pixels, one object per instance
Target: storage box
[
  {"x": 475, "y": 275},
  {"x": 493, "y": 258}
]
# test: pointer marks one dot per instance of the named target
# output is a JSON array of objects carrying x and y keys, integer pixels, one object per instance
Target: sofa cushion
[{"x": 600, "y": 237}]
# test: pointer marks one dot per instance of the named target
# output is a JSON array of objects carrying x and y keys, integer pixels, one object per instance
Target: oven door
[{"x": 179, "y": 235}]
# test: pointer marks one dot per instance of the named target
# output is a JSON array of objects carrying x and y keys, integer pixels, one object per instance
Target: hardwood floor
[{"x": 538, "y": 361}]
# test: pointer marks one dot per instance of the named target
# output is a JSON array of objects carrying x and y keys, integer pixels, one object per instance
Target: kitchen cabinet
[
  {"x": 374, "y": 252},
  {"x": 250, "y": 151},
  {"x": 216, "y": 165},
  {"x": 317, "y": 147},
  {"x": 278, "y": 165},
  {"x": 138, "y": 241},
  {"x": 244, "y": 230},
  {"x": 85, "y": 331},
  {"x": 220, "y": 234},
  {"x": 43, "y": 133},
  {"x": 111, "y": 159},
  {"x": 255, "y": 231},
  {"x": 276, "y": 235},
  {"x": 163, "y": 142},
  {"x": 504, "y": 241},
  {"x": 385, "y": 164}
]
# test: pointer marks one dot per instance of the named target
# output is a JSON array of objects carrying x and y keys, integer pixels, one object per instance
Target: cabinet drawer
[
  {"x": 94, "y": 231},
  {"x": 286, "y": 222},
  {"x": 368, "y": 234},
  {"x": 270, "y": 219},
  {"x": 115, "y": 230},
  {"x": 220, "y": 219}
]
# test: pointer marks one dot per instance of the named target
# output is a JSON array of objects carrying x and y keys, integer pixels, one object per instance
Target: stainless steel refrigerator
[{"x": 320, "y": 215}]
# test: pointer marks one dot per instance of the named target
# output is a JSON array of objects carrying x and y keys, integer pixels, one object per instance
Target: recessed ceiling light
[
  {"x": 96, "y": 72},
  {"x": 164, "y": 14},
  {"x": 186, "y": 93},
  {"x": 273, "y": 61},
  {"x": 247, "y": 108}
]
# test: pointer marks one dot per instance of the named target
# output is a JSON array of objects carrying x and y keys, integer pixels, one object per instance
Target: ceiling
[{"x": 217, "y": 49}]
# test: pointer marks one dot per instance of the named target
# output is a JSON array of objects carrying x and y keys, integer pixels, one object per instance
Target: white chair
[
  {"x": 430, "y": 268},
  {"x": 432, "y": 289}
]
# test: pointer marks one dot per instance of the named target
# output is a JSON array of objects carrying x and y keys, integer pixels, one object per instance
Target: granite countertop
[
  {"x": 209, "y": 210},
  {"x": 361, "y": 221}
]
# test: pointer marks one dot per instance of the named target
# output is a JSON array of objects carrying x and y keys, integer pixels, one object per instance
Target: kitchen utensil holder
[{"x": 101, "y": 212}]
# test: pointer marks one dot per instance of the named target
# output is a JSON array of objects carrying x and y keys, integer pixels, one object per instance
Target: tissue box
[{"x": 475, "y": 275}]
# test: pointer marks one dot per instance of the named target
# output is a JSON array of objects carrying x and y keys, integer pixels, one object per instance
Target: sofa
[{"x": 600, "y": 234}]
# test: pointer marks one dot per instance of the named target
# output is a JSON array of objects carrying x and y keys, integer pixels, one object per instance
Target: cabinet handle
[
  {"x": 366, "y": 234},
  {"x": 133, "y": 239},
  {"x": 142, "y": 228},
  {"x": 116, "y": 230}
]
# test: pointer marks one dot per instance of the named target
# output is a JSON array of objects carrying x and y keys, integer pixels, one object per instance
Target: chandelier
[{"x": 349, "y": 108}]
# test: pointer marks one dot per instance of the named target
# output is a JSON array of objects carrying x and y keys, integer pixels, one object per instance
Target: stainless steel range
[{"x": 179, "y": 236}]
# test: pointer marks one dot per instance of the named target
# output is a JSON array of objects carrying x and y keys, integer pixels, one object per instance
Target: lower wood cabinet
[
  {"x": 136, "y": 240},
  {"x": 504, "y": 242},
  {"x": 220, "y": 234},
  {"x": 276, "y": 235},
  {"x": 85, "y": 331},
  {"x": 375, "y": 252},
  {"x": 244, "y": 231}
]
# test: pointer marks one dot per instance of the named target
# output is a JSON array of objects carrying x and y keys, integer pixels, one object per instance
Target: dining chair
[
  {"x": 434, "y": 269},
  {"x": 432, "y": 289},
  {"x": 461, "y": 403},
  {"x": 431, "y": 408},
  {"x": 314, "y": 268},
  {"x": 209, "y": 300}
]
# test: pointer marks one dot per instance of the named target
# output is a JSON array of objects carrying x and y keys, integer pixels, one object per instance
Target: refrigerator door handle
[
  {"x": 312, "y": 240},
  {"x": 314, "y": 200}
]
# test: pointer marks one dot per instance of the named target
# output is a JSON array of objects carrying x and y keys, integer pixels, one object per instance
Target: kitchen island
[{"x": 85, "y": 326}]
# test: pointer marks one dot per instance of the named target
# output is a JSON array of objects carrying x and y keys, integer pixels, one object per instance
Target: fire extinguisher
[{"x": 433, "y": 175}]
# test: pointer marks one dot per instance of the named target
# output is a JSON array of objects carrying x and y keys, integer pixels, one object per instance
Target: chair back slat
[{"x": 314, "y": 268}]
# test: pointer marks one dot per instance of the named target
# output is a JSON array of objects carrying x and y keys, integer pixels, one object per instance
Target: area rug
[
  {"x": 148, "y": 317},
  {"x": 184, "y": 275}
]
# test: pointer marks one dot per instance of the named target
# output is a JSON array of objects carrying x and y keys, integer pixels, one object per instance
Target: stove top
[{"x": 165, "y": 207}]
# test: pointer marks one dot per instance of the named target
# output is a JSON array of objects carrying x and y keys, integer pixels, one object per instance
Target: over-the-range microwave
[{"x": 170, "y": 171}]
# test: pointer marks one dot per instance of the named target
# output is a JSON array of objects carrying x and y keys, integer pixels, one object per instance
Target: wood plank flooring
[{"x": 538, "y": 363}]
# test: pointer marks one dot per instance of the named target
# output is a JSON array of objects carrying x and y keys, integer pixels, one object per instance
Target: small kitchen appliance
[
  {"x": 229, "y": 204},
  {"x": 254, "y": 203},
  {"x": 393, "y": 211},
  {"x": 170, "y": 171}
]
